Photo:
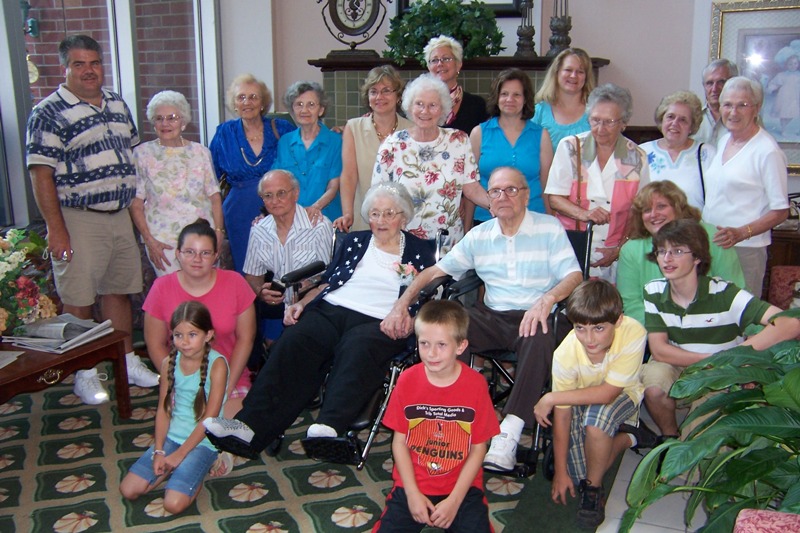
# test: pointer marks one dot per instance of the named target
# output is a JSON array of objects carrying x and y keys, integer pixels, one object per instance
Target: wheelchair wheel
[{"x": 548, "y": 463}]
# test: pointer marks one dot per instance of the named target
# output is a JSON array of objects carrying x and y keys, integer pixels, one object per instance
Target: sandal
[{"x": 222, "y": 466}]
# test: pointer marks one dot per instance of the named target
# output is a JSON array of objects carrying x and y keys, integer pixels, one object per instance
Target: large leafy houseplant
[
  {"x": 472, "y": 24},
  {"x": 745, "y": 453}
]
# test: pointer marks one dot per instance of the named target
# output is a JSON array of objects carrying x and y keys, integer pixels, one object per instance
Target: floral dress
[
  {"x": 176, "y": 184},
  {"x": 434, "y": 173}
]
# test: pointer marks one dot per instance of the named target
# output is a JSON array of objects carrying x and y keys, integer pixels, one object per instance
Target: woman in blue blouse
[
  {"x": 243, "y": 150},
  {"x": 561, "y": 107},
  {"x": 313, "y": 153},
  {"x": 510, "y": 139}
]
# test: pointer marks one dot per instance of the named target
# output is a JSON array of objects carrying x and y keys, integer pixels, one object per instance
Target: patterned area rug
[{"x": 61, "y": 463}]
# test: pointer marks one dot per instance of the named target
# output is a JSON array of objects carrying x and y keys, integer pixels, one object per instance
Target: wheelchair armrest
[
  {"x": 298, "y": 275},
  {"x": 468, "y": 283},
  {"x": 429, "y": 291}
]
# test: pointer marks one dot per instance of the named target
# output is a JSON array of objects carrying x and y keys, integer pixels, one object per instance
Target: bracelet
[
  {"x": 749, "y": 232},
  {"x": 220, "y": 229},
  {"x": 159, "y": 452}
]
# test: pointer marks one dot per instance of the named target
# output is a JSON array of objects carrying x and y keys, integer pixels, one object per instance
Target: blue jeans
[{"x": 189, "y": 475}]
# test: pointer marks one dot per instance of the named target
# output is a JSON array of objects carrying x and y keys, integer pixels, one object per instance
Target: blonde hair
[
  {"x": 549, "y": 89},
  {"x": 686, "y": 98},
  {"x": 442, "y": 41}
]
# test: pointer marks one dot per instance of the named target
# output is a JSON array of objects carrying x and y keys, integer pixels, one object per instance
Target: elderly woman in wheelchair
[{"x": 335, "y": 332}]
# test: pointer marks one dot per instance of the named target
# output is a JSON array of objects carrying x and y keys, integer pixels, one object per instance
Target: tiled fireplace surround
[{"x": 343, "y": 76}]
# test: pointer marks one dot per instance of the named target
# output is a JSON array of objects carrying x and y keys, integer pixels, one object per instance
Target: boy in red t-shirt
[{"x": 442, "y": 419}]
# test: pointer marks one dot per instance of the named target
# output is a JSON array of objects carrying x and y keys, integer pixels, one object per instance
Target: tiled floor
[{"x": 664, "y": 515}]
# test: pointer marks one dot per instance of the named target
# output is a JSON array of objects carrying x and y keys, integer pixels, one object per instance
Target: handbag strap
[
  {"x": 275, "y": 130},
  {"x": 700, "y": 168},
  {"x": 579, "y": 177}
]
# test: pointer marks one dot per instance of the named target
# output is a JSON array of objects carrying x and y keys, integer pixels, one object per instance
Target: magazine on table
[{"x": 60, "y": 334}]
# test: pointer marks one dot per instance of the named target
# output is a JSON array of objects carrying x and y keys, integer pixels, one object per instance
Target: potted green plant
[
  {"x": 745, "y": 453},
  {"x": 472, "y": 24}
]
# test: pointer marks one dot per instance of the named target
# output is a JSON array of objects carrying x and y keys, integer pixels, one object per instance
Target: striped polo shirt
[
  {"x": 714, "y": 321},
  {"x": 88, "y": 147}
]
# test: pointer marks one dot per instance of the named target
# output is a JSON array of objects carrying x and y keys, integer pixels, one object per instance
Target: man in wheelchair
[
  {"x": 527, "y": 265},
  {"x": 282, "y": 242}
]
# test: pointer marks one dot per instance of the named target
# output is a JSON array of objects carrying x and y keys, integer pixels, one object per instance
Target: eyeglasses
[
  {"x": 677, "y": 253},
  {"x": 443, "y": 60},
  {"x": 280, "y": 195},
  {"x": 741, "y": 106},
  {"x": 388, "y": 215},
  {"x": 311, "y": 106},
  {"x": 191, "y": 254},
  {"x": 607, "y": 122},
  {"x": 422, "y": 106},
  {"x": 373, "y": 93},
  {"x": 511, "y": 192},
  {"x": 166, "y": 118},
  {"x": 242, "y": 98}
]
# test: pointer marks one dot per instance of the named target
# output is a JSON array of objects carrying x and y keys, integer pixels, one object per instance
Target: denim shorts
[{"x": 189, "y": 475}]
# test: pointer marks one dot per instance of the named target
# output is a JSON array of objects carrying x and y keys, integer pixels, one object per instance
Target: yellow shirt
[{"x": 621, "y": 366}]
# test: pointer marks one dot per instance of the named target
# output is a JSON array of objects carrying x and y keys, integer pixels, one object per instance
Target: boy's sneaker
[
  {"x": 502, "y": 454},
  {"x": 645, "y": 437},
  {"x": 88, "y": 387},
  {"x": 592, "y": 511},
  {"x": 138, "y": 373}
]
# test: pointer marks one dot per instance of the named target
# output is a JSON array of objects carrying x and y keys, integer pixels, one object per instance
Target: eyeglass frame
[
  {"x": 605, "y": 122},
  {"x": 280, "y": 195},
  {"x": 386, "y": 91},
  {"x": 170, "y": 119},
  {"x": 443, "y": 60},
  {"x": 387, "y": 214},
  {"x": 191, "y": 253},
  {"x": 311, "y": 106},
  {"x": 253, "y": 97},
  {"x": 511, "y": 191},
  {"x": 677, "y": 253}
]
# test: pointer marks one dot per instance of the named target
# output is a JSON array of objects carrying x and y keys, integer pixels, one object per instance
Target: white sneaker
[
  {"x": 229, "y": 427},
  {"x": 138, "y": 373},
  {"x": 502, "y": 454},
  {"x": 88, "y": 387},
  {"x": 320, "y": 430}
]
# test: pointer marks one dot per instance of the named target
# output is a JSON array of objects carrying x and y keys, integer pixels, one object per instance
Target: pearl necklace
[
  {"x": 381, "y": 136},
  {"x": 380, "y": 259},
  {"x": 183, "y": 143}
]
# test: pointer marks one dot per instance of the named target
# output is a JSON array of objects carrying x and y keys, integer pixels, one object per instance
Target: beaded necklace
[
  {"x": 375, "y": 126},
  {"x": 379, "y": 259}
]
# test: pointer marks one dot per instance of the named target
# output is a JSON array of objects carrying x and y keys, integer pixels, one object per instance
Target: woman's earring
[{"x": 183, "y": 128}]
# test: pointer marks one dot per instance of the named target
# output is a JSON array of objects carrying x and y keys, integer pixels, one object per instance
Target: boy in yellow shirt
[{"x": 596, "y": 388}]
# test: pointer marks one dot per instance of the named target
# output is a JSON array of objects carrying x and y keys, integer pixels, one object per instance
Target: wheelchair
[
  {"x": 501, "y": 381},
  {"x": 349, "y": 449}
]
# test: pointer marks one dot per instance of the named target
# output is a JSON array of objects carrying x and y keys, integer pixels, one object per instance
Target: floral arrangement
[
  {"x": 406, "y": 271},
  {"x": 22, "y": 281}
]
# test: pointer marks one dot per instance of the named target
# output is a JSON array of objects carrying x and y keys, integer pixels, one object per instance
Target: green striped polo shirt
[{"x": 714, "y": 321}]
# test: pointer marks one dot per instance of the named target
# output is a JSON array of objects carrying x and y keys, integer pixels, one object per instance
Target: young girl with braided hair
[{"x": 194, "y": 378}]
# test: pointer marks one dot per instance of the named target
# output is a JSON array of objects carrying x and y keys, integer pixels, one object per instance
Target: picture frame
[
  {"x": 762, "y": 37},
  {"x": 501, "y": 9}
]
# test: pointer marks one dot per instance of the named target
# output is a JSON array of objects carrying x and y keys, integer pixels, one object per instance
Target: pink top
[{"x": 229, "y": 298}]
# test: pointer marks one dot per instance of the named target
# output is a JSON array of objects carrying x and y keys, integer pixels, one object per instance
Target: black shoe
[
  {"x": 645, "y": 437},
  {"x": 592, "y": 510},
  {"x": 233, "y": 445}
]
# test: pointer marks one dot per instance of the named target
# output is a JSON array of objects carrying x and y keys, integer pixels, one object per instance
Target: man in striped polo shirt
[
  {"x": 84, "y": 179},
  {"x": 282, "y": 242},
  {"x": 690, "y": 316}
]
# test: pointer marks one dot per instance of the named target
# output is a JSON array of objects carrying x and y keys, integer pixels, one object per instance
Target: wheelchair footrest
[{"x": 341, "y": 450}]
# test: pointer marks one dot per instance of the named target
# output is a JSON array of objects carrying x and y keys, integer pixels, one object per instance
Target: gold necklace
[
  {"x": 381, "y": 137},
  {"x": 258, "y": 161}
]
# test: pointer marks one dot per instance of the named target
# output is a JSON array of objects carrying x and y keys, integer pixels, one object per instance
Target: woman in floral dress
[
  {"x": 435, "y": 164},
  {"x": 175, "y": 182}
]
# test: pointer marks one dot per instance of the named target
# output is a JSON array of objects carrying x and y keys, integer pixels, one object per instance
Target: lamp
[
  {"x": 525, "y": 31},
  {"x": 560, "y": 24}
]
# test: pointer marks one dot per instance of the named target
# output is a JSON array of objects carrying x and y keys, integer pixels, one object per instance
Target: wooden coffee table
[{"x": 35, "y": 370}]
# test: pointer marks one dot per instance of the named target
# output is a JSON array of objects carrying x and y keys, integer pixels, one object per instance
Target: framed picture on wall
[
  {"x": 501, "y": 9},
  {"x": 763, "y": 39}
]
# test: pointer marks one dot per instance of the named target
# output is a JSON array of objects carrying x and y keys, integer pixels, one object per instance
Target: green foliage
[
  {"x": 473, "y": 25},
  {"x": 745, "y": 453}
]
